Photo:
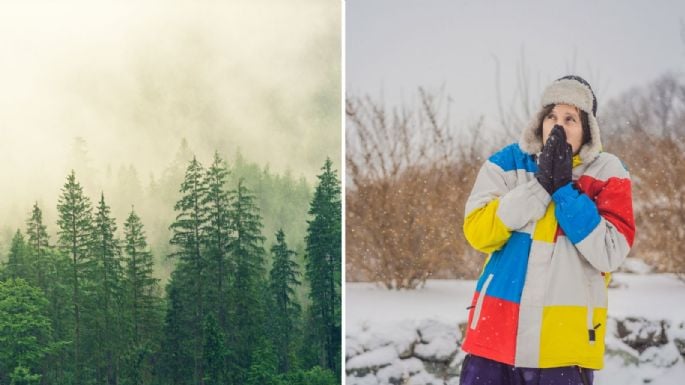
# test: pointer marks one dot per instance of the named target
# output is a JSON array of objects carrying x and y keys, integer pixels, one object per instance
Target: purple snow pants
[{"x": 482, "y": 371}]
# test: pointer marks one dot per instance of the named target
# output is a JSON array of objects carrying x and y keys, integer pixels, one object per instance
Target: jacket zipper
[{"x": 479, "y": 303}]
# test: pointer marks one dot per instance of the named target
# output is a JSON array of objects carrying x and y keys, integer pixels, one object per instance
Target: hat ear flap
[
  {"x": 587, "y": 135},
  {"x": 593, "y": 147}
]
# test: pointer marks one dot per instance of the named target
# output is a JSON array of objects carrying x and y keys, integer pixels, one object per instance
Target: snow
[
  {"x": 441, "y": 300},
  {"x": 651, "y": 295},
  {"x": 378, "y": 357},
  {"x": 635, "y": 265},
  {"x": 390, "y": 328}
]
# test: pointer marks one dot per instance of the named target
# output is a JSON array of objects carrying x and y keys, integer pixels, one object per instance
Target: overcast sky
[
  {"x": 395, "y": 46},
  {"x": 133, "y": 78}
]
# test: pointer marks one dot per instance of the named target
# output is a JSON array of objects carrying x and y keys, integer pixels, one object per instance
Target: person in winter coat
[{"x": 554, "y": 214}]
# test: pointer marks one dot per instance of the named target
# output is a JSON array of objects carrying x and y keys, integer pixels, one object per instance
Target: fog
[{"x": 132, "y": 79}]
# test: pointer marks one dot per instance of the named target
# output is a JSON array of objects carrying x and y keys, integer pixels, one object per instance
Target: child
[{"x": 554, "y": 213}]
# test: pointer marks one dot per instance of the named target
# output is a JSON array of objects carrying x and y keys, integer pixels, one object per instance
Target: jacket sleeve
[
  {"x": 602, "y": 229},
  {"x": 494, "y": 208}
]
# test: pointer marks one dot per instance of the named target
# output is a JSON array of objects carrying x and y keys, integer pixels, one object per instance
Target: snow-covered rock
[
  {"x": 372, "y": 360},
  {"x": 641, "y": 333},
  {"x": 413, "y": 337},
  {"x": 439, "y": 341},
  {"x": 400, "y": 371}
]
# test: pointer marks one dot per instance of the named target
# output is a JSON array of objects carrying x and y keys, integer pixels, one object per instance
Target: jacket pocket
[{"x": 479, "y": 303}]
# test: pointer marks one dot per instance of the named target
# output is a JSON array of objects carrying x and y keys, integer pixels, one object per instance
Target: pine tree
[
  {"x": 189, "y": 237},
  {"x": 246, "y": 249},
  {"x": 109, "y": 276},
  {"x": 17, "y": 261},
  {"x": 323, "y": 266},
  {"x": 218, "y": 237},
  {"x": 38, "y": 246},
  {"x": 284, "y": 279},
  {"x": 142, "y": 302},
  {"x": 75, "y": 238}
]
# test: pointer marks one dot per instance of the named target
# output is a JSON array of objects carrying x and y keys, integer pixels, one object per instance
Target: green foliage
[
  {"x": 38, "y": 248},
  {"x": 188, "y": 235},
  {"x": 23, "y": 376},
  {"x": 263, "y": 368},
  {"x": 17, "y": 261},
  {"x": 91, "y": 306},
  {"x": 218, "y": 237},
  {"x": 25, "y": 331},
  {"x": 213, "y": 353},
  {"x": 141, "y": 302},
  {"x": 75, "y": 241},
  {"x": 284, "y": 280},
  {"x": 108, "y": 321},
  {"x": 142, "y": 289},
  {"x": 246, "y": 248},
  {"x": 283, "y": 200},
  {"x": 324, "y": 267},
  {"x": 176, "y": 352},
  {"x": 314, "y": 376}
]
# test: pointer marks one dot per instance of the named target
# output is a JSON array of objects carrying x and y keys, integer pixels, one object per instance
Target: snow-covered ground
[{"x": 393, "y": 335}]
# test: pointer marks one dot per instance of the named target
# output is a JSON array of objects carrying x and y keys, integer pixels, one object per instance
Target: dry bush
[
  {"x": 408, "y": 180},
  {"x": 646, "y": 128}
]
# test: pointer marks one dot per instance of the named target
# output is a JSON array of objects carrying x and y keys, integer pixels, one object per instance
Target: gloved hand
[
  {"x": 563, "y": 162},
  {"x": 555, "y": 161},
  {"x": 545, "y": 172}
]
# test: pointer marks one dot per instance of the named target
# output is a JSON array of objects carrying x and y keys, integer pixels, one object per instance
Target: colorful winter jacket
[{"x": 541, "y": 300}]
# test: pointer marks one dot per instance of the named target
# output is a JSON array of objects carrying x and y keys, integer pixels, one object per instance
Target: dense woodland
[{"x": 86, "y": 307}]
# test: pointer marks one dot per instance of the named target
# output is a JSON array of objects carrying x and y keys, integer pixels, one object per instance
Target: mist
[{"x": 103, "y": 86}]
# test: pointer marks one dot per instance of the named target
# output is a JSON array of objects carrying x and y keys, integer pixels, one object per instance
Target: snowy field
[{"x": 400, "y": 334}]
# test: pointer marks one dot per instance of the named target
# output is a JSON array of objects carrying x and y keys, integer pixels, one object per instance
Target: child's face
[{"x": 567, "y": 116}]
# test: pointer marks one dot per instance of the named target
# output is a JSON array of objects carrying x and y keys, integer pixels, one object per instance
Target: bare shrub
[
  {"x": 646, "y": 128},
  {"x": 408, "y": 180}
]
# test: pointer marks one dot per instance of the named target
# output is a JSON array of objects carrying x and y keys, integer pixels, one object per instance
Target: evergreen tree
[
  {"x": 38, "y": 245},
  {"x": 217, "y": 230},
  {"x": 24, "y": 331},
  {"x": 284, "y": 279},
  {"x": 246, "y": 249},
  {"x": 17, "y": 261},
  {"x": 323, "y": 267},
  {"x": 75, "y": 238},
  {"x": 142, "y": 302},
  {"x": 189, "y": 237},
  {"x": 109, "y": 276}
]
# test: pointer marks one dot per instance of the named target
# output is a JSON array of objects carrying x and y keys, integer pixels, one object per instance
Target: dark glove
[
  {"x": 563, "y": 164},
  {"x": 545, "y": 172}
]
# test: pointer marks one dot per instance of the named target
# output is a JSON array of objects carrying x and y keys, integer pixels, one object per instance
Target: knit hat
[{"x": 575, "y": 91}]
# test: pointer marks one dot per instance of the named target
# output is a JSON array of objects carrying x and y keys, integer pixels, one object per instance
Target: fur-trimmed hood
[{"x": 571, "y": 90}]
